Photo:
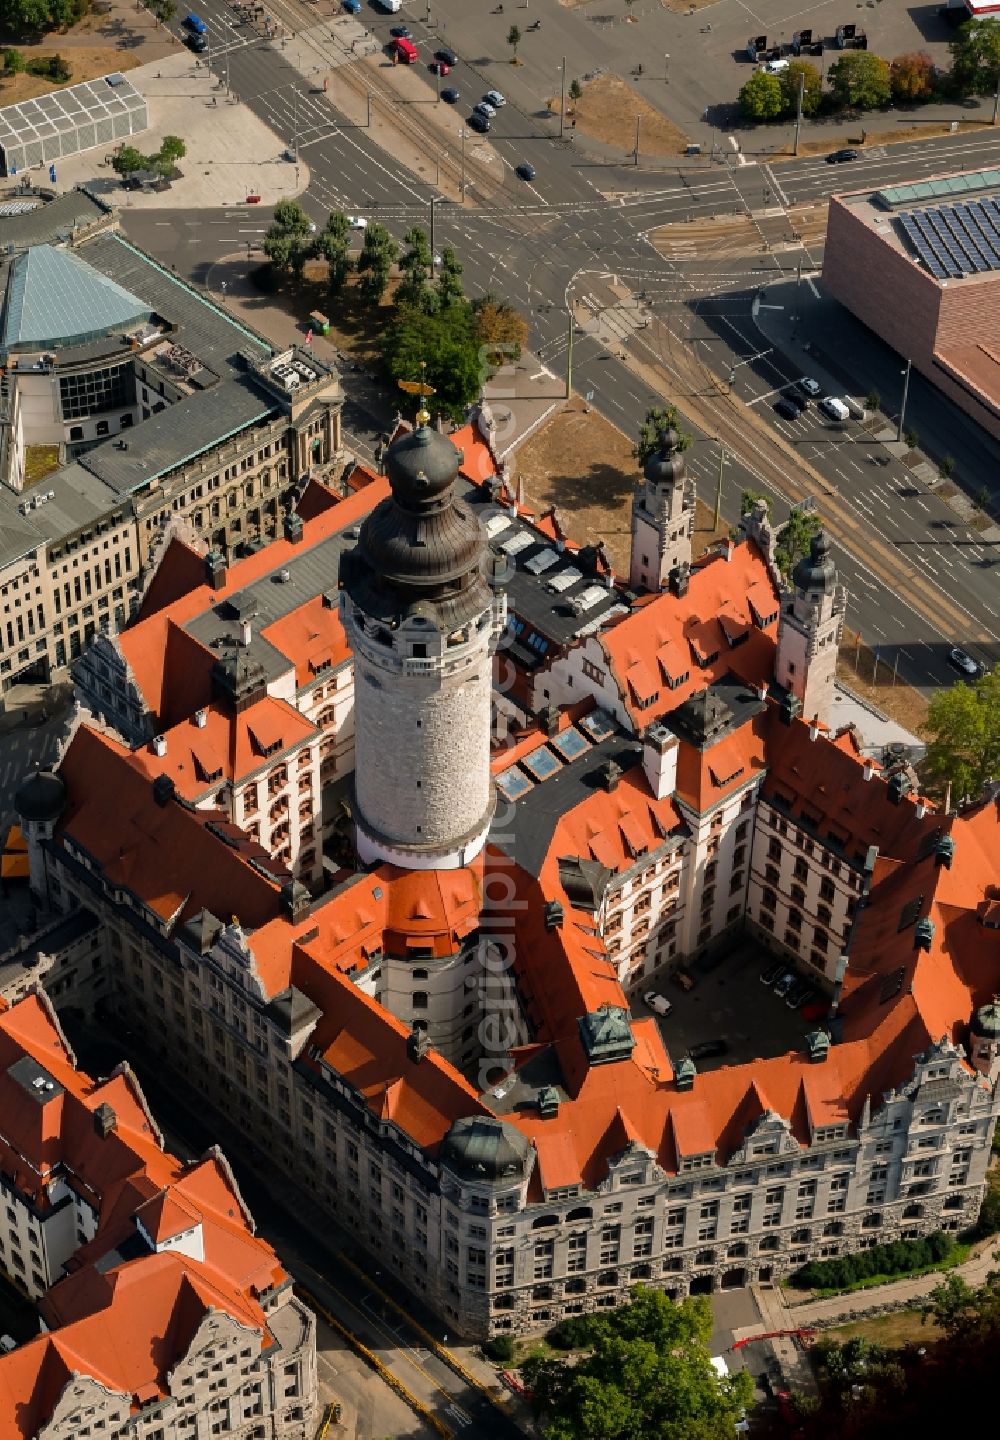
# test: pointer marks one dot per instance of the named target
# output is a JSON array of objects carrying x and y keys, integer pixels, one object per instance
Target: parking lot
[{"x": 729, "y": 1003}]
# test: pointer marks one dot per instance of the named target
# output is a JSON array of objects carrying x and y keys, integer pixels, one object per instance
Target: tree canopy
[
  {"x": 501, "y": 328},
  {"x": 964, "y": 723},
  {"x": 288, "y": 241},
  {"x": 860, "y": 80},
  {"x": 912, "y": 77},
  {"x": 30, "y": 17},
  {"x": 975, "y": 56},
  {"x": 658, "y": 419},
  {"x": 445, "y": 339},
  {"x": 648, "y": 1376},
  {"x": 414, "y": 264},
  {"x": 374, "y": 266},
  {"x": 333, "y": 245},
  {"x": 812, "y": 87},
  {"x": 449, "y": 280},
  {"x": 762, "y": 97}
]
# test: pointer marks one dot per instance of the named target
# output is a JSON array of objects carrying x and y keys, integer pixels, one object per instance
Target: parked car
[
  {"x": 772, "y": 973},
  {"x": 496, "y": 99},
  {"x": 801, "y": 402},
  {"x": 786, "y": 409},
  {"x": 479, "y": 123},
  {"x": 684, "y": 979},
  {"x": 785, "y": 984},
  {"x": 964, "y": 663},
  {"x": 447, "y": 57},
  {"x": 525, "y": 171},
  {"x": 657, "y": 1002},
  {"x": 401, "y": 32},
  {"x": 797, "y": 994},
  {"x": 837, "y": 157},
  {"x": 810, "y": 387},
  {"x": 808, "y": 997},
  {"x": 353, "y": 7},
  {"x": 450, "y": 96},
  {"x": 834, "y": 409},
  {"x": 357, "y": 222},
  {"x": 706, "y": 1049}
]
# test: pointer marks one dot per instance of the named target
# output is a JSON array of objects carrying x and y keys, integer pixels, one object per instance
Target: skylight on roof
[
  {"x": 563, "y": 579},
  {"x": 544, "y": 560},
  {"x": 496, "y": 525},
  {"x": 587, "y": 599},
  {"x": 519, "y": 541},
  {"x": 542, "y": 763},
  {"x": 570, "y": 744},
  {"x": 513, "y": 783},
  {"x": 598, "y": 725}
]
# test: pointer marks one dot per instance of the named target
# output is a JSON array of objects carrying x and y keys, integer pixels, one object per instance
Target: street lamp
[
  {"x": 666, "y": 67},
  {"x": 906, "y": 390},
  {"x": 463, "y": 134}
]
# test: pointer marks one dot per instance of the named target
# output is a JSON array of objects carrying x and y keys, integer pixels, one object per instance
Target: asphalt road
[{"x": 563, "y": 239}]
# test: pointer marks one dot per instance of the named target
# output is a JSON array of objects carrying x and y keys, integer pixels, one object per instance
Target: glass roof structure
[
  {"x": 54, "y": 299},
  {"x": 65, "y": 122},
  {"x": 925, "y": 191}
]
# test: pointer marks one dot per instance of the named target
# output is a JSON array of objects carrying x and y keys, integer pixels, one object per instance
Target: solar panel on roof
[
  {"x": 513, "y": 783},
  {"x": 598, "y": 725},
  {"x": 570, "y": 744},
  {"x": 542, "y": 763}
]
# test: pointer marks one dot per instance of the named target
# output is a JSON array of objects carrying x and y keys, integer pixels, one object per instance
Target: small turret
[{"x": 662, "y": 517}]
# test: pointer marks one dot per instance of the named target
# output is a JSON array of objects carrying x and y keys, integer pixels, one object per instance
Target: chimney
[
  {"x": 944, "y": 850},
  {"x": 292, "y": 527},
  {"x": 215, "y": 570},
  {"x": 105, "y": 1120},
  {"x": 869, "y": 869},
  {"x": 838, "y": 984},
  {"x": 814, "y": 728},
  {"x": 548, "y": 720},
  {"x": 163, "y": 790},
  {"x": 553, "y": 915},
  {"x": 246, "y": 633},
  {"x": 659, "y": 760},
  {"x": 730, "y": 547},
  {"x": 417, "y": 1044},
  {"x": 947, "y": 798},
  {"x": 921, "y": 807},
  {"x": 201, "y": 718},
  {"x": 868, "y": 771},
  {"x": 678, "y": 580},
  {"x": 923, "y": 934},
  {"x": 610, "y": 773},
  {"x": 159, "y": 743}
]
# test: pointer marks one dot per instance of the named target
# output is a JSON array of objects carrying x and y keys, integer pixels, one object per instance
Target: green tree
[
  {"x": 648, "y": 1376},
  {"x": 964, "y": 724},
  {"x": 446, "y": 341},
  {"x": 859, "y": 80},
  {"x": 171, "y": 150},
  {"x": 28, "y": 17},
  {"x": 912, "y": 77},
  {"x": 793, "y": 539},
  {"x": 575, "y": 90},
  {"x": 288, "y": 241},
  {"x": 975, "y": 56},
  {"x": 414, "y": 263},
  {"x": 374, "y": 264},
  {"x": 499, "y": 325},
  {"x": 812, "y": 87},
  {"x": 513, "y": 40},
  {"x": 13, "y": 62},
  {"x": 749, "y": 498},
  {"x": 449, "y": 280},
  {"x": 660, "y": 418},
  {"x": 126, "y": 159},
  {"x": 333, "y": 245},
  {"x": 762, "y": 97},
  {"x": 163, "y": 10}
]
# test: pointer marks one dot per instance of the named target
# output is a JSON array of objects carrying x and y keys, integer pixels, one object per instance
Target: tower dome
[
  {"x": 40, "y": 799},
  {"x": 484, "y": 1148},
  {"x": 422, "y": 466},
  {"x": 816, "y": 571},
  {"x": 666, "y": 465}
]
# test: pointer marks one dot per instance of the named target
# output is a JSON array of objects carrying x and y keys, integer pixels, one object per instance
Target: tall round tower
[{"x": 422, "y": 618}]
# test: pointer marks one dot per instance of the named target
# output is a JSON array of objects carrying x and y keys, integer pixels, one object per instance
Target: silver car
[{"x": 485, "y": 109}]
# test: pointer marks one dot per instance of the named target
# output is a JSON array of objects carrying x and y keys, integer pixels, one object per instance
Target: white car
[
  {"x": 963, "y": 662},
  {"x": 494, "y": 98},
  {"x": 775, "y": 67},
  {"x": 485, "y": 109},
  {"x": 657, "y": 1002},
  {"x": 357, "y": 222},
  {"x": 809, "y": 386}
]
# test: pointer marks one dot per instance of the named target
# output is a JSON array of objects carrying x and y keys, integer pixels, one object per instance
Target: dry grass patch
[
  {"x": 85, "y": 63},
  {"x": 607, "y": 112},
  {"x": 857, "y": 669},
  {"x": 39, "y": 461},
  {"x": 902, "y": 1327}
]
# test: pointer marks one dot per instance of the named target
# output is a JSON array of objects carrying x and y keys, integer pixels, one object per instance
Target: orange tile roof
[
  {"x": 705, "y": 777},
  {"x": 311, "y": 637},
  {"x": 684, "y": 633},
  {"x": 164, "y": 854},
  {"x": 180, "y": 569}
]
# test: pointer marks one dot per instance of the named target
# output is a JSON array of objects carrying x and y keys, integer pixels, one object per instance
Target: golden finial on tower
[{"x": 421, "y": 388}]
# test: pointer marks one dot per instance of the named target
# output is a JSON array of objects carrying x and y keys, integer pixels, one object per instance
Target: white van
[
  {"x": 774, "y": 67},
  {"x": 833, "y": 408},
  {"x": 390, "y": 5}
]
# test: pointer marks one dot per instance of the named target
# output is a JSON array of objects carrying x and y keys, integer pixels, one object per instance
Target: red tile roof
[{"x": 312, "y": 638}]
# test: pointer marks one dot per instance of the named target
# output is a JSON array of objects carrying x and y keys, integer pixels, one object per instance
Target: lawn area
[
  {"x": 607, "y": 111},
  {"x": 39, "y": 461},
  {"x": 904, "y": 1327}
]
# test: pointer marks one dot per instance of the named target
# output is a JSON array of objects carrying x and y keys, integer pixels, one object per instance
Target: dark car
[
  {"x": 799, "y": 992},
  {"x": 786, "y": 408},
  {"x": 707, "y": 1049},
  {"x": 480, "y": 124},
  {"x": 401, "y": 32},
  {"x": 799, "y": 401},
  {"x": 837, "y": 157},
  {"x": 450, "y": 97},
  {"x": 447, "y": 57},
  {"x": 772, "y": 973},
  {"x": 197, "y": 43},
  {"x": 525, "y": 171}
]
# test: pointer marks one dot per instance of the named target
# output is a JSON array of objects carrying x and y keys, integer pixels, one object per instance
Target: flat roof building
[
  {"x": 65, "y": 122},
  {"x": 920, "y": 266}
]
